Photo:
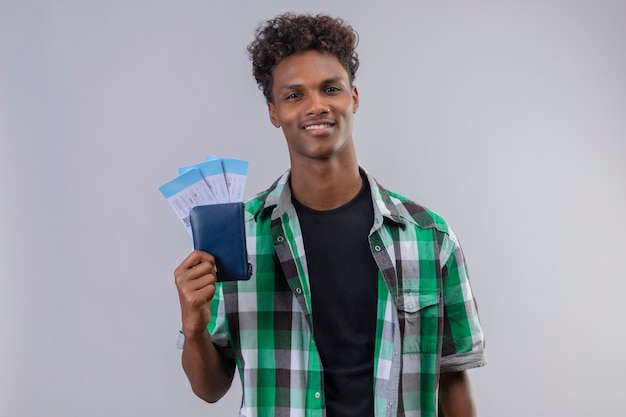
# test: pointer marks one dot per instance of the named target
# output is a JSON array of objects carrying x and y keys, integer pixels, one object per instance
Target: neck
[{"x": 325, "y": 184}]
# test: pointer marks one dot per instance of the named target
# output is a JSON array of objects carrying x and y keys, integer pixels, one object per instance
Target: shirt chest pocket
[{"x": 419, "y": 318}]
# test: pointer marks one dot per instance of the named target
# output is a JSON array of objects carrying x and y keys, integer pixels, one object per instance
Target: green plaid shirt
[{"x": 427, "y": 320}]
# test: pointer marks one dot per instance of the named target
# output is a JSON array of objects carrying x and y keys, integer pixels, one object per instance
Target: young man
[{"x": 359, "y": 303}]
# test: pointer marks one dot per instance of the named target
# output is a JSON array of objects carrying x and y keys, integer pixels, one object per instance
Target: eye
[
  {"x": 332, "y": 89},
  {"x": 293, "y": 96}
]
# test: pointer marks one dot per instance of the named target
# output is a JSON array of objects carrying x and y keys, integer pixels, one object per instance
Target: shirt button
[
  {"x": 377, "y": 248},
  {"x": 389, "y": 405},
  {"x": 299, "y": 291},
  {"x": 280, "y": 239},
  {"x": 318, "y": 395}
]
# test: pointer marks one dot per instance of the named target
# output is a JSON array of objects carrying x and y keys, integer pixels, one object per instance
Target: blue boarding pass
[
  {"x": 185, "y": 192},
  {"x": 213, "y": 174},
  {"x": 236, "y": 173},
  {"x": 214, "y": 181}
]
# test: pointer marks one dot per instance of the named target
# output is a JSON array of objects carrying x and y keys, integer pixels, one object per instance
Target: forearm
[
  {"x": 209, "y": 372},
  {"x": 455, "y": 395}
]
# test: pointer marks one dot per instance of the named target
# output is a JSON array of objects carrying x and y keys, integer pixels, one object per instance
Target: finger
[
  {"x": 205, "y": 294},
  {"x": 190, "y": 268},
  {"x": 197, "y": 296},
  {"x": 201, "y": 269},
  {"x": 195, "y": 258},
  {"x": 190, "y": 282}
]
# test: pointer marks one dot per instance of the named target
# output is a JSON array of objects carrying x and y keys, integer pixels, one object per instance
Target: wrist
[{"x": 196, "y": 333}]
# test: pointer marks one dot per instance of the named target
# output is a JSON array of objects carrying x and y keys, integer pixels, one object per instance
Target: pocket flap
[{"x": 411, "y": 301}]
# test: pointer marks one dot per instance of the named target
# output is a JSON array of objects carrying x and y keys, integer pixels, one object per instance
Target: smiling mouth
[{"x": 319, "y": 126}]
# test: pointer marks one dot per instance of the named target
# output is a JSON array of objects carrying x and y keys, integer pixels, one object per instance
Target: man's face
[{"x": 314, "y": 104}]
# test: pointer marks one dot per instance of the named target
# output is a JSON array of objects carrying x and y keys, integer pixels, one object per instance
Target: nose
[{"x": 317, "y": 105}]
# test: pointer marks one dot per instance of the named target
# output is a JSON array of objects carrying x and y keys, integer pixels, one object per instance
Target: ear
[
  {"x": 271, "y": 109},
  {"x": 355, "y": 99}
]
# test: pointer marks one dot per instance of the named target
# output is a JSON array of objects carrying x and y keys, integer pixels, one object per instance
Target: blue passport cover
[{"x": 218, "y": 229}]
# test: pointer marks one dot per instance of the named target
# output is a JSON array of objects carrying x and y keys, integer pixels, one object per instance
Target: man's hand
[
  {"x": 195, "y": 280},
  {"x": 209, "y": 372}
]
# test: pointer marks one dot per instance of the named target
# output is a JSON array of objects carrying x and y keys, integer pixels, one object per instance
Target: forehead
[{"x": 308, "y": 67}]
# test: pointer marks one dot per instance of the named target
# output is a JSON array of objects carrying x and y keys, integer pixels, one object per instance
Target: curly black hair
[{"x": 290, "y": 33}]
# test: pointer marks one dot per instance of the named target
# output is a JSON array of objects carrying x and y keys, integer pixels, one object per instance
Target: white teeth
[{"x": 317, "y": 126}]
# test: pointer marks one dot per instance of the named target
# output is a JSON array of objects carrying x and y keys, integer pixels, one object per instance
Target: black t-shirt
[{"x": 344, "y": 286}]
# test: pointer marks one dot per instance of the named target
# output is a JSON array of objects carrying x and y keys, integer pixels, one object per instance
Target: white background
[{"x": 508, "y": 118}]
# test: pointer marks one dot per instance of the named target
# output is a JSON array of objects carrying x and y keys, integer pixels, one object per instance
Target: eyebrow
[{"x": 327, "y": 81}]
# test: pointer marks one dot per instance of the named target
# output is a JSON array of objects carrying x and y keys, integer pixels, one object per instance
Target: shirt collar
[{"x": 387, "y": 205}]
